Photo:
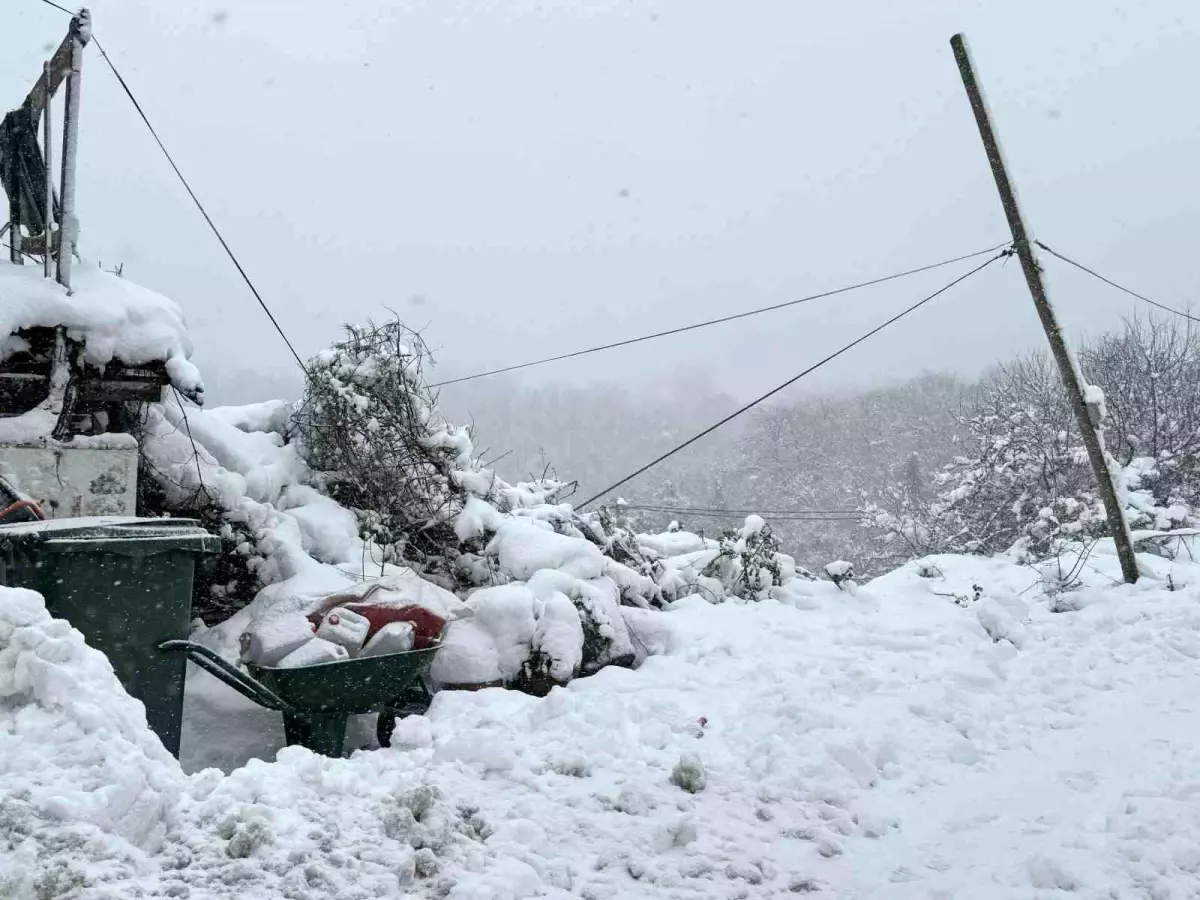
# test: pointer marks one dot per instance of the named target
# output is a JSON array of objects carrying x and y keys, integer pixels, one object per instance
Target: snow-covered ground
[{"x": 897, "y": 740}]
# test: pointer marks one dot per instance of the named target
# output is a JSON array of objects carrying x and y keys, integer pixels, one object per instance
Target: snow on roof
[{"x": 113, "y": 317}]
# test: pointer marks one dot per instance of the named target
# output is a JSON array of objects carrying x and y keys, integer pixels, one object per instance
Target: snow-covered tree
[{"x": 1022, "y": 478}]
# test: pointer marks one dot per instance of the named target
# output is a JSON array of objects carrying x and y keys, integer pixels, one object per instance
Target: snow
[
  {"x": 494, "y": 643},
  {"x": 904, "y": 741},
  {"x": 269, "y": 416},
  {"x": 86, "y": 786},
  {"x": 113, "y": 317},
  {"x": 675, "y": 543},
  {"x": 49, "y": 526},
  {"x": 754, "y": 525},
  {"x": 839, "y": 569},
  {"x": 559, "y": 636},
  {"x": 525, "y": 546},
  {"x": 477, "y": 519}
]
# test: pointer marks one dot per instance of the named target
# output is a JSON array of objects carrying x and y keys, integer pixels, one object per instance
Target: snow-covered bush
[
  {"x": 841, "y": 573},
  {"x": 368, "y": 429},
  {"x": 1023, "y": 479},
  {"x": 748, "y": 564}
]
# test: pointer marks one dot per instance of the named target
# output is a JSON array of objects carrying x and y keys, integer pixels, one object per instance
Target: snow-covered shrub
[
  {"x": 368, "y": 429},
  {"x": 748, "y": 564},
  {"x": 840, "y": 572},
  {"x": 689, "y": 773}
]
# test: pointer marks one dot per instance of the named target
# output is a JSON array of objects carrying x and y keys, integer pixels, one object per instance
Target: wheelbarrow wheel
[{"x": 413, "y": 702}]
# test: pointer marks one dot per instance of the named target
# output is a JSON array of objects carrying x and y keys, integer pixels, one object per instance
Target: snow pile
[
  {"x": 113, "y": 318},
  {"x": 364, "y": 480},
  {"x": 551, "y": 590},
  {"x": 940, "y": 732},
  {"x": 86, "y": 787}
]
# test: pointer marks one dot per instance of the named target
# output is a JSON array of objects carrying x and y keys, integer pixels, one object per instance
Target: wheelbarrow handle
[{"x": 229, "y": 675}]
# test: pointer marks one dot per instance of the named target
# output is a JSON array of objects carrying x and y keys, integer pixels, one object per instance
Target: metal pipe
[
  {"x": 68, "y": 226},
  {"x": 48, "y": 218}
]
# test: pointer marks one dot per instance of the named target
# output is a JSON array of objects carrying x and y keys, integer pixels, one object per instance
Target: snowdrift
[
  {"x": 84, "y": 784},
  {"x": 940, "y": 731}
]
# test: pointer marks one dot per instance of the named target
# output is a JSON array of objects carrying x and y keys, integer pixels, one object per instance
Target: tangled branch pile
[{"x": 368, "y": 431}]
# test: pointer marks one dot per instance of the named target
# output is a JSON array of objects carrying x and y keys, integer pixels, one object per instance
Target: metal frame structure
[{"x": 64, "y": 67}]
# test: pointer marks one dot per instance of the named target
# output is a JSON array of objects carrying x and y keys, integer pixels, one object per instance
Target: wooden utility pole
[{"x": 1091, "y": 431}]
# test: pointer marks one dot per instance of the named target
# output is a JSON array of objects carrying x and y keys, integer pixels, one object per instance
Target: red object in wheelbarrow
[{"x": 427, "y": 625}]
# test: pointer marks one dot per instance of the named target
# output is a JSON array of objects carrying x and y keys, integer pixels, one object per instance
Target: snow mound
[
  {"x": 85, "y": 785},
  {"x": 309, "y": 548},
  {"x": 524, "y": 547},
  {"x": 114, "y": 318},
  {"x": 891, "y": 742},
  {"x": 549, "y": 591}
]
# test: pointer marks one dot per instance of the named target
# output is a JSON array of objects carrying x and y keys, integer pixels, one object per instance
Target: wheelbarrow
[{"x": 317, "y": 700}]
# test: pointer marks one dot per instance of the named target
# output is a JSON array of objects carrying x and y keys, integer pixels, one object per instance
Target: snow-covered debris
[
  {"x": 274, "y": 637},
  {"x": 1093, "y": 398},
  {"x": 86, "y": 786},
  {"x": 306, "y": 548},
  {"x": 841, "y": 573},
  {"x": 365, "y": 482},
  {"x": 477, "y": 518},
  {"x": 558, "y": 640},
  {"x": 524, "y": 547},
  {"x": 676, "y": 543},
  {"x": 689, "y": 774},
  {"x": 113, "y": 318},
  {"x": 839, "y": 569}
]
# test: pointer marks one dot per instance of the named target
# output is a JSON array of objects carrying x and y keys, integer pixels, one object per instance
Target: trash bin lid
[{"x": 111, "y": 534}]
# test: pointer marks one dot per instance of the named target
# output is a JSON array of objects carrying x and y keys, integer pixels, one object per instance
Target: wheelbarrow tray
[
  {"x": 316, "y": 700},
  {"x": 351, "y": 686}
]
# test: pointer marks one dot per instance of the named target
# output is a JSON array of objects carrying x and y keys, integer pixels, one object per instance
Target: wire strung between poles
[
  {"x": 770, "y": 518},
  {"x": 720, "y": 321},
  {"x": 56, "y": 6},
  {"x": 832, "y": 356},
  {"x": 742, "y": 512},
  {"x": 1119, "y": 287},
  {"x": 200, "y": 206}
]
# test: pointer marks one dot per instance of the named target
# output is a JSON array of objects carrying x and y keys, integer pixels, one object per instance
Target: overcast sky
[{"x": 525, "y": 178}]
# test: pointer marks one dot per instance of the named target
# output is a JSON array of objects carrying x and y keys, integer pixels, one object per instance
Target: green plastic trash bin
[{"x": 126, "y": 584}]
